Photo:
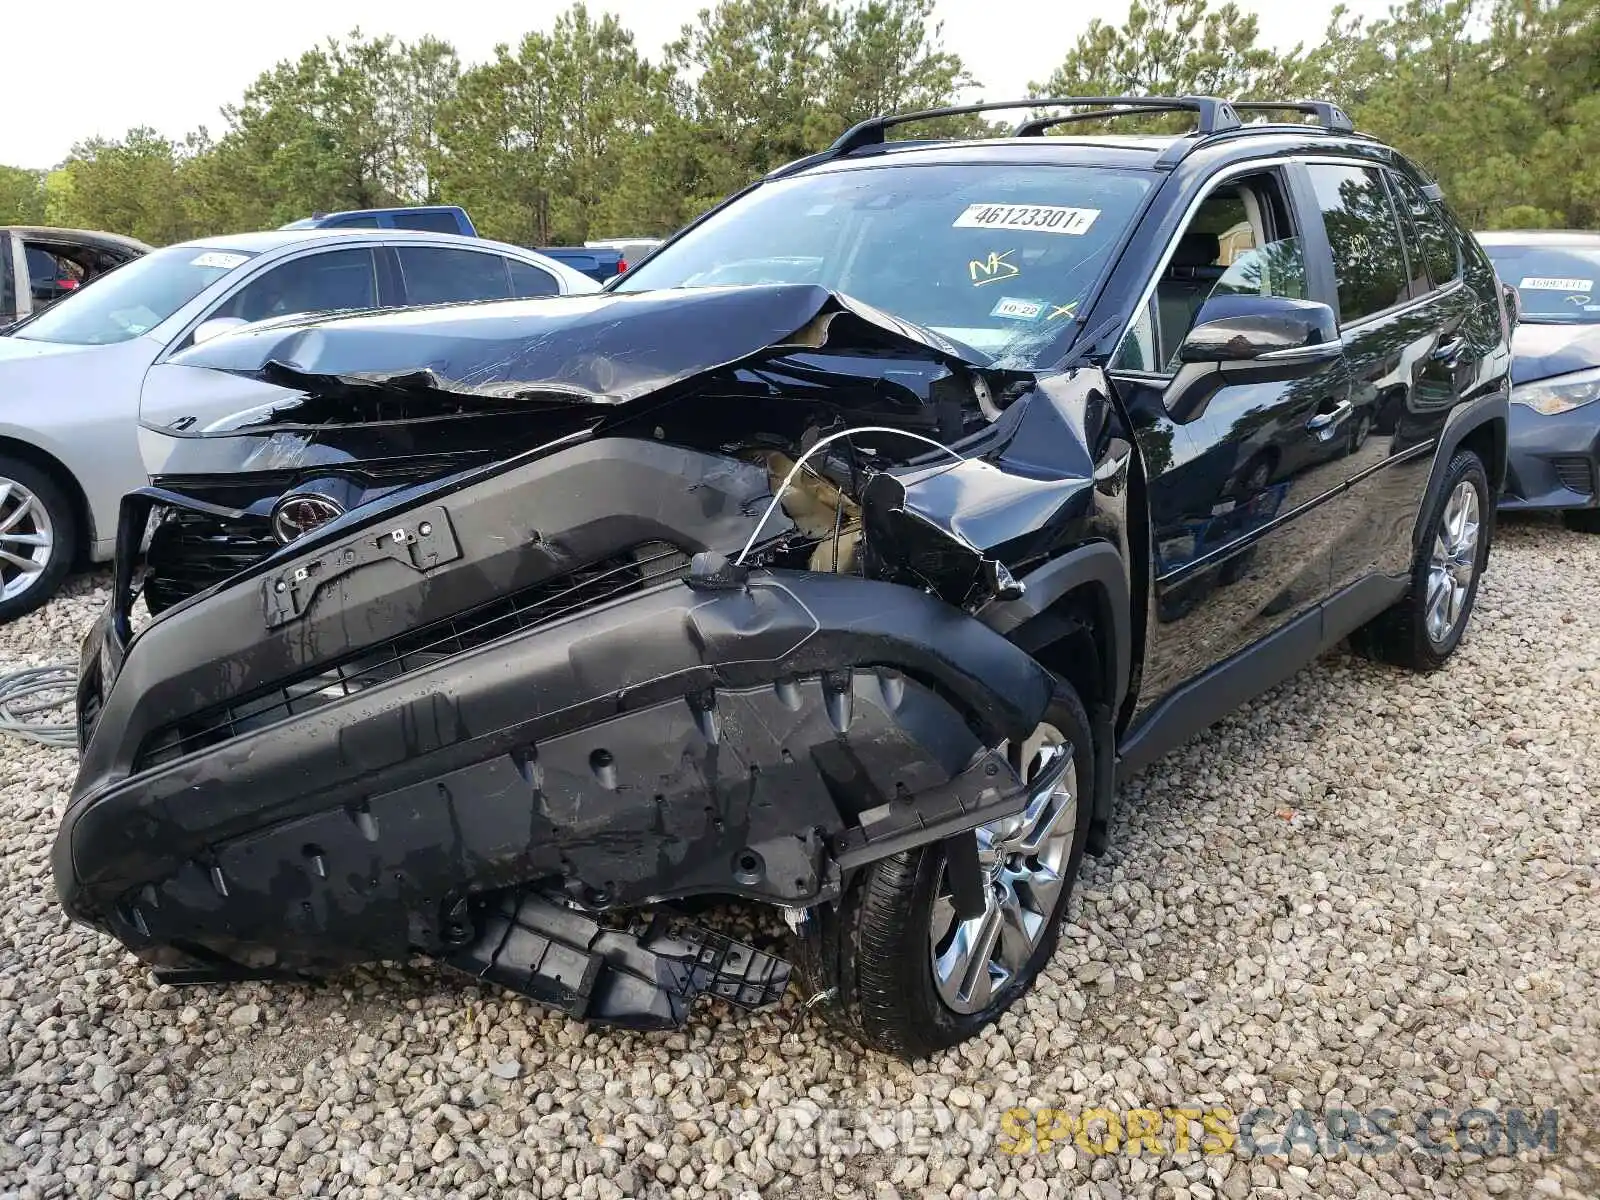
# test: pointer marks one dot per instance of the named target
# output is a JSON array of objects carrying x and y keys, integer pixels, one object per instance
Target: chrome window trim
[{"x": 1318, "y": 350}]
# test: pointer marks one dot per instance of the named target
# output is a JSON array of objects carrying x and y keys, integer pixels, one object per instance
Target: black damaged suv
[{"x": 842, "y": 556}]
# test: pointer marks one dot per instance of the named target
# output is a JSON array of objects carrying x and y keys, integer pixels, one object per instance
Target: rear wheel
[
  {"x": 904, "y": 972},
  {"x": 38, "y": 537},
  {"x": 1423, "y": 630}
]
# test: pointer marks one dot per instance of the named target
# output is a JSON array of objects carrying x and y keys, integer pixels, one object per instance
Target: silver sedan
[{"x": 72, "y": 376}]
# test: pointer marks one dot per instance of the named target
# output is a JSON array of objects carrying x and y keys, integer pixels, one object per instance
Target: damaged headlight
[{"x": 1561, "y": 394}]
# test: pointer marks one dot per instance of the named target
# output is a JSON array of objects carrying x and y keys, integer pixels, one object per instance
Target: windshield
[
  {"x": 998, "y": 258},
  {"x": 1556, "y": 283},
  {"x": 134, "y": 298}
]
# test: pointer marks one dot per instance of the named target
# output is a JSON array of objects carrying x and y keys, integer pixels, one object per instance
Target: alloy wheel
[
  {"x": 1453, "y": 563},
  {"x": 27, "y": 539},
  {"x": 1024, "y": 860}
]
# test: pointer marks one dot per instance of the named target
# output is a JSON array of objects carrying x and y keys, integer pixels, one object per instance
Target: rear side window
[
  {"x": 430, "y": 222},
  {"x": 1368, "y": 261},
  {"x": 1440, "y": 249},
  {"x": 529, "y": 280},
  {"x": 436, "y": 275},
  {"x": 365, "y": 221}
]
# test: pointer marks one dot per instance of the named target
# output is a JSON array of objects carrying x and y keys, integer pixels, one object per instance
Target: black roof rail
[
  {"x": 1212, "y": 115},
  {"x": 1328, "y": 114},
  {"x": 1036, "y": 126}
]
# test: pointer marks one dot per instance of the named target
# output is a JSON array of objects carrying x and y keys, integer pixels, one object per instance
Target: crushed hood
[{"x": 606, "y": 348}]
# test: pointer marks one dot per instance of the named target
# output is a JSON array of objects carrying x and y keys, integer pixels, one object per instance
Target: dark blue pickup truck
[
  {"x": 430, "y": 218},
  {"x": 597, "y": 262}
]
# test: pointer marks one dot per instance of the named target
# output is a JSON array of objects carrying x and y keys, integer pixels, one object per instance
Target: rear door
[{"x": 1404, "y": 341}]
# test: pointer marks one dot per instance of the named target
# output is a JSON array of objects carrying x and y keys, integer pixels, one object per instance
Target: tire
[
  {"x": 1406, "y": 635},
  {"x": 1584, "y": 520},
  {"x": 873, "y": 954},
  {"x": 33, "y": 506}
]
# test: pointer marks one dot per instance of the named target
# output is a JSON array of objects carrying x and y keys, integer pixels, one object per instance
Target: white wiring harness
[
  {"x": 34, "y": 692},
  {"x": 818, "y": 445}
]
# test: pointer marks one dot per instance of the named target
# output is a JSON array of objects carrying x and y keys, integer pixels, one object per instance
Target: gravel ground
[{"x": 1367, "y": 891}]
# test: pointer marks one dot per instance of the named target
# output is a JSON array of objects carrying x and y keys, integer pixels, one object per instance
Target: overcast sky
[{"x": 86, "y": 68}]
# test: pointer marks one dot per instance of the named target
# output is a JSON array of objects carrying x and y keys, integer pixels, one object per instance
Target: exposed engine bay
[{"x": 476, "y": 629}]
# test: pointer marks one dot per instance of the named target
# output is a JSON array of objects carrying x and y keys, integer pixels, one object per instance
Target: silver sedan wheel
[
  {"x": 27, "y": 539},
  {"x": 1453, "y": 563},
  {"x": 1024, "y": 860}
]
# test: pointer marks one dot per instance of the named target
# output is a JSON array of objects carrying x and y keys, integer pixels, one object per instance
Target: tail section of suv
[{"x": 794, "y": 567}]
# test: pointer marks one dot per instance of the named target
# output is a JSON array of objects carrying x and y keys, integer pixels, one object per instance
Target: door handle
[{"x": 1330, "y": 417}]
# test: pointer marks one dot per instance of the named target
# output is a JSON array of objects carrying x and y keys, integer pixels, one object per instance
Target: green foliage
[
  {"x": 22, "y": 197},
  {"x": 576, "y": 134}
]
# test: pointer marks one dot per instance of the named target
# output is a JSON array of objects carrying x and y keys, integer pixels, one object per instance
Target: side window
[
  {"x": 365, "y": 221},
  {"x": 1240, "y": 241},
  {"x": 429, "y": 222},
  {"x": 335, "y": 279},
  {"x": 1368, "y": 261},
  {"x": 1439, "y": 249},
  {"x": 436, "y": 275},
  {"x": 529, "y": 280}
]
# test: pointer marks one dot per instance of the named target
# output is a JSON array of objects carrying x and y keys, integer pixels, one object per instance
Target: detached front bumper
[
  {"x": 762, "y": 741},
  {"x": 1552, "y": 462}
]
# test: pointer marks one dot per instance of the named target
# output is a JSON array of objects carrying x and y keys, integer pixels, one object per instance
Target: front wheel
[
  {"x": 1422, "y": 631},
  {"x": 904, "y": 973},
  {"x": 38, "y": 537}
]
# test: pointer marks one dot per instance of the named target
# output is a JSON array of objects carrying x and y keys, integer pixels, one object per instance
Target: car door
[
  {"x": 1242, "y": 494},
  {"x": 1404, "y": 340}
]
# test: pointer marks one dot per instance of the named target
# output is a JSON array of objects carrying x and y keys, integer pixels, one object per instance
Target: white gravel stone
[{"x": 1367, "y": 890}]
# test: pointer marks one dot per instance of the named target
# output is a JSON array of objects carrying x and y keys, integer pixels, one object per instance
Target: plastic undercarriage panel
[{"x": 753, "y": 791}]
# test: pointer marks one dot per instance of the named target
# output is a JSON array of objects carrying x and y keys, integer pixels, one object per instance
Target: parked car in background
[
  {"x": 1555, "y": 422},
  {"x": 71, "y": 376},
  {"x": 840, "y": 557},
  {"x": 428, "y": 218},
  {"x": 631, "y": 249},
  {"x": 38, "y": 265},
  {"x": 599, "y": 263}
]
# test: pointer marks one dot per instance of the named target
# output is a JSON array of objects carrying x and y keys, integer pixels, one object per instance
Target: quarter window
[
  {"x": 1368, "y": 261},
  {"x": 436, "y": 275},
  {"x": 528, "y": 280},
  {"x": 1440, "y": 249}
]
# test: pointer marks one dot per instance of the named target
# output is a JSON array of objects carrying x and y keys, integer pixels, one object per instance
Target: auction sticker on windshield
[
  {"x": 1541, "y": 283},
  {"x": 219, "y": 258},
  {"x": 1034, "y": 218}
]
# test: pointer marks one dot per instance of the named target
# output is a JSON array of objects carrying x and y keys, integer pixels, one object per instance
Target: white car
[{"x": 72, "y": 377}]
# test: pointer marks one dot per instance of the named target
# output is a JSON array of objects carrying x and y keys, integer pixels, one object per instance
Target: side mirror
[
  {"x": 1241, "y": 339},
  {"x": 1245, "y": 328},
  {"x": 216, "y": 327}
]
